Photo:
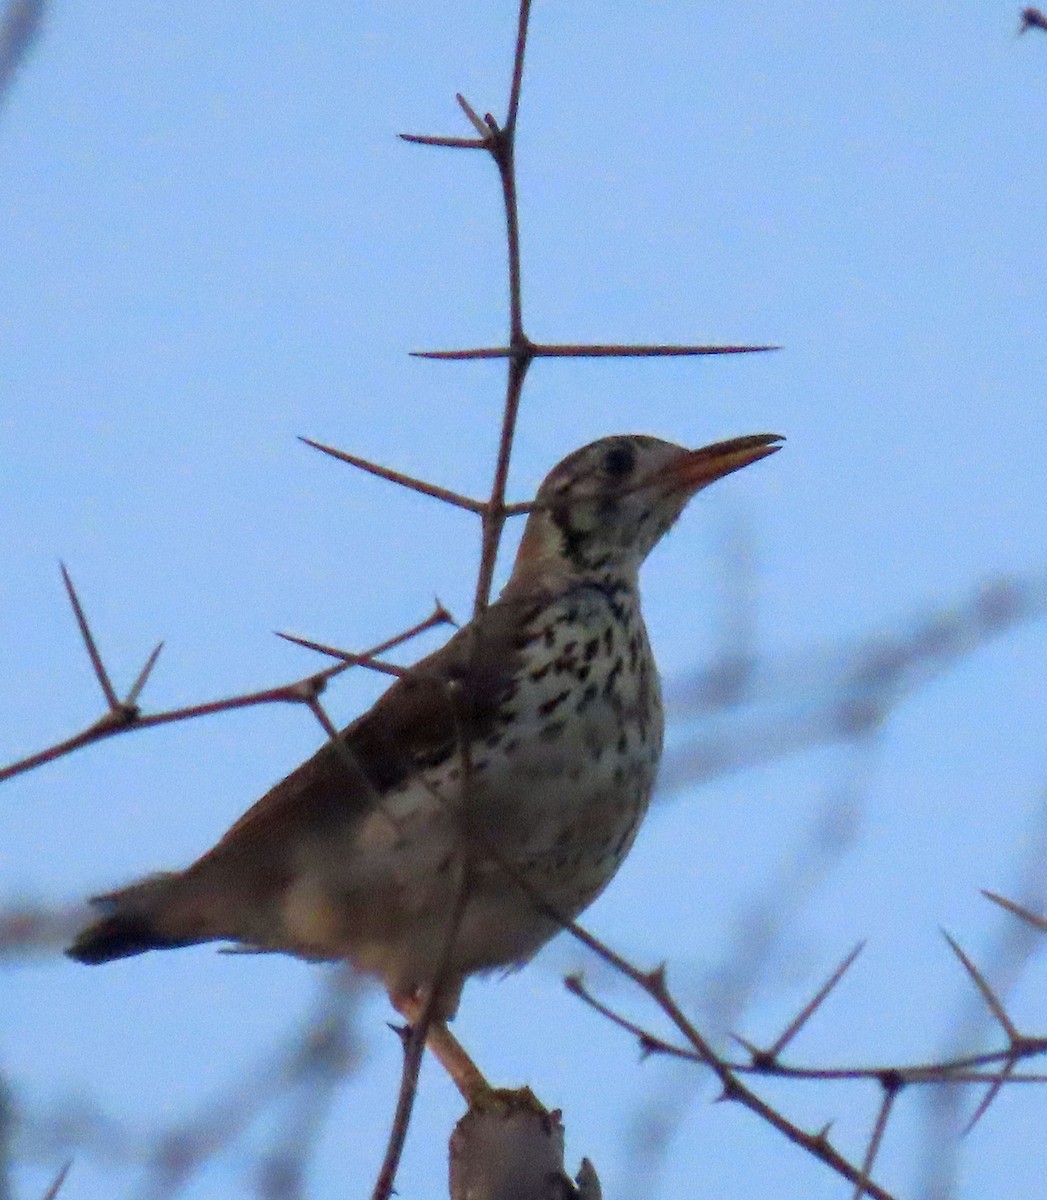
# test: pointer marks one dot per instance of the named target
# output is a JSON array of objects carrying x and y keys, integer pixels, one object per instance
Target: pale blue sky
[{"x": 212, "y": 242}]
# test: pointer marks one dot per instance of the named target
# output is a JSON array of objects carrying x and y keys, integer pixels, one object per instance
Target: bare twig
[
  {"x": 421, "y": 1019},
  {"x": 891, "y": 1087},
  {"x": 126, "y": 717},
  {"x": 733, "y": 1088},
  {"x": 520, "y": 351},
  {"x": 414, "y": 1048},
  {"x": 969, "y": 1069}
]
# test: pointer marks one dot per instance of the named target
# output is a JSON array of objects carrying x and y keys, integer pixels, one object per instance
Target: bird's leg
[
  {"x": 446, "y": 1048},
  {"x": 452, "y": 1056}
]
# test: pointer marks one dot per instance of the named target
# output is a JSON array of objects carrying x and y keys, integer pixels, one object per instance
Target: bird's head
[{"x": 602, "y": 509}]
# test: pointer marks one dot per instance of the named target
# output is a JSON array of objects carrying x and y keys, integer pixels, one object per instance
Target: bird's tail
[{"x": 137, "y": 919}]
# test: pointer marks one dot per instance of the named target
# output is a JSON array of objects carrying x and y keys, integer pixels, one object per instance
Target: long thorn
[
  {"x": 454, "y": 143},
  {"x": 439, "y": 616},
  {"x": 862, "y": 1184},
  {"x": 1025, "y": 914},
  {"x": 92, "y": 649},
  {"x": 475, "y": 119},
  {"x": 814, "y": 1004},
  {"x": 407, "y": 481},
  {"x": 143, "y": 676},
  {"x": 539, "y": 350},
  {"x": 350, "y": 659},
  {"x": 990, "y": 1095},
  {"x": 59, "y": 1179},
  {"x": 988, "y": 995}
]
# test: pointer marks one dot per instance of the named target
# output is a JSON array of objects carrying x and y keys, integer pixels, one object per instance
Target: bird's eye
[{"x": 619, "y": 461}]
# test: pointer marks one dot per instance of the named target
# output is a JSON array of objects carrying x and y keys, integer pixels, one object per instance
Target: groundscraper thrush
[{"x": 500, "y": 781}]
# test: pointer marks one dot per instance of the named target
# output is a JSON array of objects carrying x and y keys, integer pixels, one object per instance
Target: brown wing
[{"x": 451, "y": 694}]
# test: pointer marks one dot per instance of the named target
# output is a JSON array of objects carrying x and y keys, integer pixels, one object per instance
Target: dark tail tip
[
  {"x": 118, "y": 936},
  {"x": 134, "y": 918}
]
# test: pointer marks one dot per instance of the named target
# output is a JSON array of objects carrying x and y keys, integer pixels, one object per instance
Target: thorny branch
[
  {"x": 499, "y": 140},
  {"x": 891, "y": 1078},
  {"x": 967, "y": 1069},
  {"x": 124, "y": 714},
  {"x": 415, "y": 1036},
  {"x": 1008, "y": 953},
  {"x": 655, "y": 985}
]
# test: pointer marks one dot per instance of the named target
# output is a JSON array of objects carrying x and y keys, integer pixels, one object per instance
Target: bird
[{"x": 491, "y": 793}]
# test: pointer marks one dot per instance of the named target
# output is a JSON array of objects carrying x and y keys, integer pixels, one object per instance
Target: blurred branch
[
  {"x": 21, "y": 24},
  {"x": 303, "y": 1075},
  {"x": 1032, "y": 18},
  {"x": 7, "y": 1137},
  {"x": 783, "y": 704},
  {"x": 59, "y": 1179}
]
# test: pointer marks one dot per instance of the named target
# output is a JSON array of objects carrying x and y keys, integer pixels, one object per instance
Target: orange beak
[{"x": 696, "y": 469}]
